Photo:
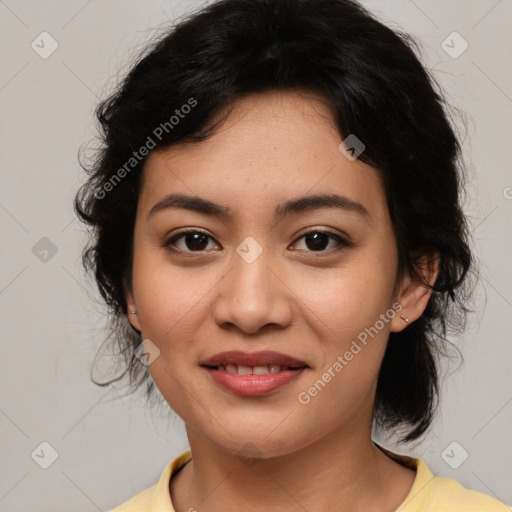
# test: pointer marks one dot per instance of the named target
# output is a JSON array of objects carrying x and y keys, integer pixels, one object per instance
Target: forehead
[{"x": 271, "y": 146}]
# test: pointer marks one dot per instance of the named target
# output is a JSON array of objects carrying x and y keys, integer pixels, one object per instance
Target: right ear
[{"x": 131, "y": 306}]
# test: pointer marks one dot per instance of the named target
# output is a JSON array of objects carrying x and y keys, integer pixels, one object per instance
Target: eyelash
[{"x": 343, "y": 243}]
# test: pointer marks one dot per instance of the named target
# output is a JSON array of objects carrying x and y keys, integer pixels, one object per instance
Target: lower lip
[{"x": 253, "y": 385}]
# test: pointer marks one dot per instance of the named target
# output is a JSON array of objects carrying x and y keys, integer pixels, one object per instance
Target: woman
[{"x": 279, "y": 238}]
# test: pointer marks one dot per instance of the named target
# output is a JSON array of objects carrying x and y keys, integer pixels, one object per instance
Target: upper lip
[{"x": 264, "y": 357}]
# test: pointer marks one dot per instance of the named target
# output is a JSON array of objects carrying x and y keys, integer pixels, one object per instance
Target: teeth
[
  {"x": 252, "y": 370},
  {"x": 231, "y": 368},
  {"x": 244, "y": 370}
]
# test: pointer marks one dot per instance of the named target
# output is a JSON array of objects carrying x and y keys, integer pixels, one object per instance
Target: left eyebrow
[
  {"x": 292, "y": 206},
  {"x": 318, "y": 201}
]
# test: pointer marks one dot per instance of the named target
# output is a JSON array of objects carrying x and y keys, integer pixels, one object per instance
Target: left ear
[{"x": 414, "y": 294}]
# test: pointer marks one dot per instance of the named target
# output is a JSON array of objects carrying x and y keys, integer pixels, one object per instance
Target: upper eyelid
[{"x": 343, "y": 239}]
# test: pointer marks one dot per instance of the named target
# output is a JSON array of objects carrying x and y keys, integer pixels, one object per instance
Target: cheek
[
  {"x": 169, "y": 304},
  {"x": 171, "y": 310},
  {"x": 349, "y": 311},
  {"x": 347, "y": 299},
  {"x": 169, "y": 296}
]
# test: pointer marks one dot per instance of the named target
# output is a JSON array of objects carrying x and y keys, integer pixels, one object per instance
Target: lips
[
  {"x": 253, "y": 373},
  {"x": 253, "y": 359}
]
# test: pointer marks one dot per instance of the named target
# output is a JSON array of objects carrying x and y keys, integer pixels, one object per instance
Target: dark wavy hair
[{"x": 376, "y": 88}]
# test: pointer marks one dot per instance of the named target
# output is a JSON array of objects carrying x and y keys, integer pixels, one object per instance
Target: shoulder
[
  {"x": 138, "y": 503},
  {"x": 157, "y": 497},
  {"x": 441, "y": 494}
]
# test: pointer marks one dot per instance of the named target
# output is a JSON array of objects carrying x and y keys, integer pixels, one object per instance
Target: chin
[{"x": 258, "y": 444}]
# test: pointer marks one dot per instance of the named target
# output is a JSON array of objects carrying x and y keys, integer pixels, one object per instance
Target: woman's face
[{"x": 255, "y": 282}]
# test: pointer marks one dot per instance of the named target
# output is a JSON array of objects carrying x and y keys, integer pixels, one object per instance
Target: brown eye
[
  {"x": 317, "y": 241},
  {"x": 193, "y": 241}
]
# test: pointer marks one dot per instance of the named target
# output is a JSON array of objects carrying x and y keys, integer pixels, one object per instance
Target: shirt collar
[{"x": 161, "y": 499}]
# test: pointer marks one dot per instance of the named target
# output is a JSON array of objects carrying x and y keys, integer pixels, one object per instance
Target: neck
[{"x": 338, "y": 472}]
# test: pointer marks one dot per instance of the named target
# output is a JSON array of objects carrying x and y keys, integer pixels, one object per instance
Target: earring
[
  {"x": 404, "y": 319},
  {"x": 133, "y": 312}
]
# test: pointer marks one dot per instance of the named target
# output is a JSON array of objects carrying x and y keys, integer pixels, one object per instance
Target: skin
[{"x": 310, "y": 304}]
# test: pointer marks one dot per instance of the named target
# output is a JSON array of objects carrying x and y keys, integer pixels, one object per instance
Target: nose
[{"x": 253, "y": 296}]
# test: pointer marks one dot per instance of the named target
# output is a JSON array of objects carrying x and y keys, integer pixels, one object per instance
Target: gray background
[{"x": 109, "y": 446}]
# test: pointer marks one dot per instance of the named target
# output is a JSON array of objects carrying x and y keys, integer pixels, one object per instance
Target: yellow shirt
[{"x": 428, "y": 493}]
